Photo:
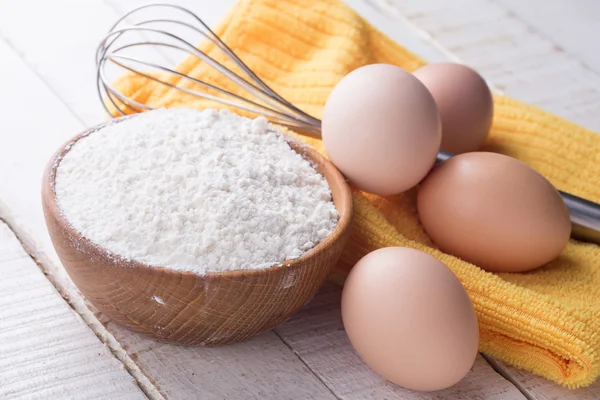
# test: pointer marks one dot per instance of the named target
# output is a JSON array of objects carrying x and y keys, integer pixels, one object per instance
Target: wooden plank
[
  {"x": 261, "y": 368},
  {"x": 58, "y": 39},
  {"x": 513, "y": 55},
  {"x": 61, "y": 49},
  {"x": 567, "y": 23},
  {"x": 317, "y": 335},
  {"x": 39, "y": 123},
  {"x": 46, "y": 350}
]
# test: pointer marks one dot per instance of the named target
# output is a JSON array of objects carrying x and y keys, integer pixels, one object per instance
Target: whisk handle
[
  {"x": 585, "y": 218},
  {"x": 585, "y": 214}
]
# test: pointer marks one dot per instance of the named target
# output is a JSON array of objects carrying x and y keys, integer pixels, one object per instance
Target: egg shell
[
  {"x": 410, "y": 319},
  {"x": 381, "y": 129},
  {"x": 493, "y": 211},
  {"x": 465, "y": 104}
]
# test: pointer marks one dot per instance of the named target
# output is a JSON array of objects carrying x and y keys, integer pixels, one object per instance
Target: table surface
[{"x": 53, "y": 345}]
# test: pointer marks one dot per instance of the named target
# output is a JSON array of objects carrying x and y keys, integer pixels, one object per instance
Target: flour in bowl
[{"x": 194, "y": 191}]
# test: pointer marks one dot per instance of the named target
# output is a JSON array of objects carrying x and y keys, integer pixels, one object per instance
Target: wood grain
[
  {"x": 183, "y": 307},
  {"x": 25, "y": 148},
  {"x": 46, "y": 351},
  {"x": 566, "y": 23},
  {"x": 513, "y": 55},
  {"x": 317, "y": 335},
  {"x": 263, "y": 368}
]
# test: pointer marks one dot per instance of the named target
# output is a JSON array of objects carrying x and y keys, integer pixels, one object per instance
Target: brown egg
[
  {"x": 465, "y": 104},
  {"x": 381, "y": 129},
  {"x": 494, "y": 211},
  {"x": 410, "y": 319}
]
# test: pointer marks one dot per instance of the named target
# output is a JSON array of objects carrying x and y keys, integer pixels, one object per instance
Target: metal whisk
[
  {"x": 160, "y": 34},
  {"x": 118, "y": 48}
]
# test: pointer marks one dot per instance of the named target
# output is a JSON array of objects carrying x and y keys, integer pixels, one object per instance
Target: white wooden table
[{"x": 54, "y": 346}]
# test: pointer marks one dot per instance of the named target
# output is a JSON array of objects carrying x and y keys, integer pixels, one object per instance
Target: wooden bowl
[{"x": 182, "y": 307}]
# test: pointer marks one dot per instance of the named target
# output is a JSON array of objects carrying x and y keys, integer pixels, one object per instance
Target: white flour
[{"x": 194, "y": 191}]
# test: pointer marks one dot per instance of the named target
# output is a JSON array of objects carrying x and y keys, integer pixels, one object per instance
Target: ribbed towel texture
[{"x": 546, "y": 321}]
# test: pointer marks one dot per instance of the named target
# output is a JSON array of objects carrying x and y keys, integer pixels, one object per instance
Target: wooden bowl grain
[{"x": 185, "y": 308}]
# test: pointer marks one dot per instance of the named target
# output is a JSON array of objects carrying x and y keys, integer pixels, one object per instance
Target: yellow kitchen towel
[{"x": 546, "y": 321}]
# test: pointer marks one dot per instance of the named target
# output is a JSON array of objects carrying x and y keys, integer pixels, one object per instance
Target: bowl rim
[{"x": 342, "y": 226}]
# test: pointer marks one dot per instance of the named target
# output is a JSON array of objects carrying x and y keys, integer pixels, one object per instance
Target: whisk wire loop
[{"x": 268, "y": 102}]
